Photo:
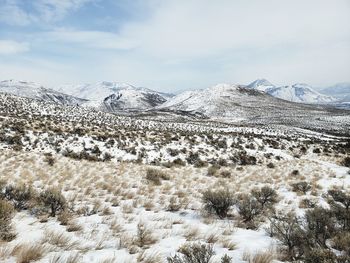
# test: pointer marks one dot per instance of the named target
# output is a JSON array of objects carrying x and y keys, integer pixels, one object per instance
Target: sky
[{"x": 174, "y": 45}]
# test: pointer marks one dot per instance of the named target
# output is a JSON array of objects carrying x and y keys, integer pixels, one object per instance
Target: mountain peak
[{"x": 260, "y": 83}]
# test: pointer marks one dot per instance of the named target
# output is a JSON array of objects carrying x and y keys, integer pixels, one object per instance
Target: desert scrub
[
  {"x": 301, "y": 187},
  {"x": 6, "y": 215},
  {"x": 155, "y": 176},
  {"x": 19, "y": 195},
  {"x": 217, "y": 201},
  {"x": 193, "y": 253},
  {"x": 54, "y": 200},
  {"x": 266, "y": 196},
  {"x": 249, "y": 209}
]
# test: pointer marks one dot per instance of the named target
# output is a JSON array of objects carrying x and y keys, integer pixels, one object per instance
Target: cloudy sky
[{"x": 175, "y": 45}]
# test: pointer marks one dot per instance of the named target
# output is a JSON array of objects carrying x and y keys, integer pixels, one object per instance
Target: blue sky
[{"x": 175, "y": 45}]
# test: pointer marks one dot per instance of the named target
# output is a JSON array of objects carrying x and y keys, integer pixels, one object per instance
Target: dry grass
[
  {"x": 259, "y": 257},
  {"x": 59, "y": 239},
  {"x": 26, "y": 253},
  {"x": 147, "y": 256},
  {"x": 59, "y": 258}
]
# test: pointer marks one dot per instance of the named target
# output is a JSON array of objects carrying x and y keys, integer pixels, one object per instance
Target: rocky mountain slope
[
  {"x": 36, "y": 91},
  {"x": 341, "y": 91},
  {"x": 116, "y": 97},
  {"x": 301, "y": 93}
]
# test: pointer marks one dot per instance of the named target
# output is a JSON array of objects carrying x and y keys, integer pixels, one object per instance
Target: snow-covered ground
[
  {"x": 116, "y": 212},
  {"x": 116, "y": 198}
]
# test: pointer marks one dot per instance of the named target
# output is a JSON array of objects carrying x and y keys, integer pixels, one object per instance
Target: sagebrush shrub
[
  {"x": 193, "y": 253},
  {"x": 287, "y": 229},
  {"x": 6, "y": 215},
  {"x": 302, "y": 187},
  {"x": 218, "y": 201},
  {"x": 249, "y": 208},
  {"x": 320, "y": 226},
  {"x": 19, "y": 195},
  {"x": 155, "y": 176},
  {"x": 266, "y": 196},
  {"x": 320, "y": 255},
  {"x": 54, "y": 200},
  {"x": 346, "y": 162}
]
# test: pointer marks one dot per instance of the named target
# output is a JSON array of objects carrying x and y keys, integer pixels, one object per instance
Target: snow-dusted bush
[
  {"x": 301, "y": 187},
  {"x": 155, "y": 176},
  {"x": 342, "y": 242},
  {"x": 19, "y": 195},
  {"x": 320, "y": 226},
  {"x": 266, "y": 196},
  {"x": 193, "y": 253},
  {"x": 249, "y": 208},
  {"x": 346, "y": 162},
  {"x": 54, "y": 200},
  {"x": 218, "y": 201},
  {"x": 320, "y": 255},
  {"x": 6, "y": 215},
  {"x": 340, "y": 207}
]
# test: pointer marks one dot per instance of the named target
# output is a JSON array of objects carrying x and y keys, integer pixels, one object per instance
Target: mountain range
[
  {"x": 116, "y": 96},
  {"x": 38, "y": 92},
  {"x": 301, "y": 93},
  {"x": 222, "y": 100}
]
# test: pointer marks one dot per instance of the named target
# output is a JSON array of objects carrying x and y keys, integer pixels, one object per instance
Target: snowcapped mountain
[
  {"x": 261, "y": 84},
  {"x": 116, "y": 96},
  {"x": 301, "y": 93},
  {"x": 229, "y": 101},
  {"x": 36, "y": 91},
  {"x": 341, "y": 91}
]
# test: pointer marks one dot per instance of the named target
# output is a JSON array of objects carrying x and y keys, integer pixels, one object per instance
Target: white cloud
[
  {"x": 52, "y": 10},
  {"x": 196, "y": 43},
  {"x": 12, "y": 11},
  {"x": 90, "y": 39},
  {"x": 9, "y": 47},
  {"x": 195, "y": 28}
]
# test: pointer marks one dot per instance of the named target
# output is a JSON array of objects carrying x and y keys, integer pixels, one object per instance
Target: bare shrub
[
  {"x": 320, "y": 255},
  {"x": 19, "y": 195},
  {"x": 302, "y": 187},
  {"x": 6, "y": 215},
  {"x": 174, "y": 204},
  {"x": 346, "y": 162},
  {"x": 212, "y": 170},
  {"x": 266, "y": 196},
  {"x": 288, "y": 231},
  {"x": 155, "y": 176},
  {"x": 226, "y": 259},
  {"x": 53, "y": 199},
  {"x": 320, "y": 226},
  {"x": 193, "y": 253},
  {"x": 342, "y": 242},
  {"x": 249, "y": 208},
  {"x": 144, "y": 236},
  {"x": 218, "y": 201}
]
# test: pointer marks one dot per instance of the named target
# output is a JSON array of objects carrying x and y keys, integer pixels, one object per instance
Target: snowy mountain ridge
[
  {"x": 117, "y": 96},
  {"x": 35, "y": 91},
  {"x": 300, "y": 92}
]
